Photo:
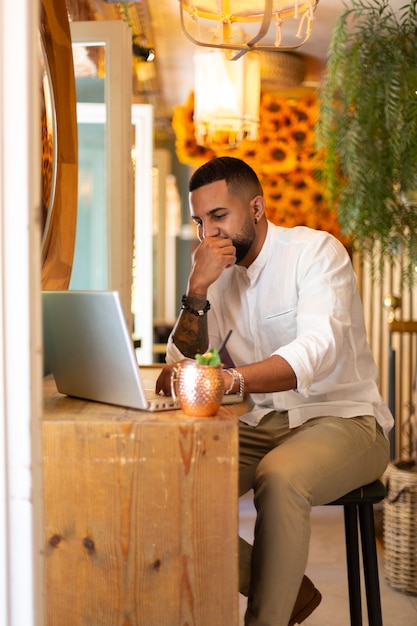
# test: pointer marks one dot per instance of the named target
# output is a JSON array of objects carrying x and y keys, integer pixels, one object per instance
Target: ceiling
[
  {"x": 156, "y": 23},
  {"x": 175, "y": 51}
]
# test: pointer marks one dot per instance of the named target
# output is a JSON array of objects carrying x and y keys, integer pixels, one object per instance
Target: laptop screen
[{"x": 89, "y": 349}]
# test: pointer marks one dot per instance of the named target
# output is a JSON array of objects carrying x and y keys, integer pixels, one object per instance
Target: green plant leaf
[
  {"x": 367, "y": 127},
  {"x": 211, "y": 357}
]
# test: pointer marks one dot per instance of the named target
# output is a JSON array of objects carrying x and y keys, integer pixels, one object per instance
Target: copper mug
[{"x": 199, "y": 388}]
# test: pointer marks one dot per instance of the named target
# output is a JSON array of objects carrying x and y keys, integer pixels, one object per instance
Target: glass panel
[
  {"x": 103, "y": 69},
  {"x": 91, "y": 245},
  {"x": 90, "y": 257}
]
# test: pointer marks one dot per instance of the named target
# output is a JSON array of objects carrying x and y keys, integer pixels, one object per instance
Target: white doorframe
[
  {"x": 21, "y": 533},
  {"x": 117, "y": 38},
  {"x": 143, "y": 284}
]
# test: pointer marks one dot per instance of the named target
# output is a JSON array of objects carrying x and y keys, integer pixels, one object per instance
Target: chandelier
[{"x": 225, "y": 24}]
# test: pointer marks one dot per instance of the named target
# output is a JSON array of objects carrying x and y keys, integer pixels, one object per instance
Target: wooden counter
[{"x": 141, "y": 515}]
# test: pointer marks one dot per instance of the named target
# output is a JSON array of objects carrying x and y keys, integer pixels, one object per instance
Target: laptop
[{"x": 89, "y": 350}]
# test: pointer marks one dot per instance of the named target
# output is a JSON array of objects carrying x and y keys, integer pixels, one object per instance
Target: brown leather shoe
[{"x": 308, "y": 599}]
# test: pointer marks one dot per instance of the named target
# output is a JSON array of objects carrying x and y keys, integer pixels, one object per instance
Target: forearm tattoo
[{"x": 191, "y": 335}]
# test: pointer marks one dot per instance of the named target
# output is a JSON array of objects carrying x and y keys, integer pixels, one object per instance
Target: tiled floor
[{"x": 327, "y": 569}]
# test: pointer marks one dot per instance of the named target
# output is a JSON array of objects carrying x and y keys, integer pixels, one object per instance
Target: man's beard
[{"x": 244, "y": 241}]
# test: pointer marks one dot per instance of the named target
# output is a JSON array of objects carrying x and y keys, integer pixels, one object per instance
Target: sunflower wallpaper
[{"x": 284, "y": 156}]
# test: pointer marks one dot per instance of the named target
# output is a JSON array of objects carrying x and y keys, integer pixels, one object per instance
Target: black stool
[{"x": 359, "y": 503}]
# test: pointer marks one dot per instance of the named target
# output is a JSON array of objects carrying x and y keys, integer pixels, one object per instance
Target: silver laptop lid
[{"x": 89, "y": 349}]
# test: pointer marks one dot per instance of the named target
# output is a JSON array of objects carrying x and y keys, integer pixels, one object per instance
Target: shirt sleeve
[
  {"x": 326, "y": 285},
  {"x": 173, "y": 354}
]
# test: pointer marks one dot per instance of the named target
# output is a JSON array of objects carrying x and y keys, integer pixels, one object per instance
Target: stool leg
[
  {"x": 352, "y": 559},
  {"x": 370, "y": 564}
]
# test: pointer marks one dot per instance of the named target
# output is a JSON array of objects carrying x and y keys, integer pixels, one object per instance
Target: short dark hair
[{"x": 239, "y": 176}]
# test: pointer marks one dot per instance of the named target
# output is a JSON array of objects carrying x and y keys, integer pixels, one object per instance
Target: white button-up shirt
[{"x": 299, "y": 299}]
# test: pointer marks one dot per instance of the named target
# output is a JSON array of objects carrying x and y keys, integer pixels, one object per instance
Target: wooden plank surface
[{"x": 141, "y": 516}]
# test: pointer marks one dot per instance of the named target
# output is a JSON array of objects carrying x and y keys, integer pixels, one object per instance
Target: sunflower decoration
[
  {"x": 274, "y": 187},
  {"x": 277, "y": 116},
  {"x": 310, "y": 159},
  {"x": 297, "y": 199},
  {"x": 278, "y": 156},
  {"x": 285, "y": 199},
  {"x": 284, "y": 156},
  {"x": 307, "y": 109},
  {"x": 188, "y": 151}
]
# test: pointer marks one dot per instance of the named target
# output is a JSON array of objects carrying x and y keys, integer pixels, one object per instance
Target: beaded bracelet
[
  {"x": 187, "y": 307},
  {"x": 236, "y": 376}
]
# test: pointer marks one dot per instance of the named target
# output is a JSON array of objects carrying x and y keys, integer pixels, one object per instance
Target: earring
[{"x": 256, "y": 221}]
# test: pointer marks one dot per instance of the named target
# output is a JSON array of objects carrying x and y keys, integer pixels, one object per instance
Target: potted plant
[{"x": 367, "y": 128}]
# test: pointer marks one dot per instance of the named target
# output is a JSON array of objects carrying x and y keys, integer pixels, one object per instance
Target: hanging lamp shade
[
  {"x": 278, "y": 24},
  {"x": 226, "y": 98}
]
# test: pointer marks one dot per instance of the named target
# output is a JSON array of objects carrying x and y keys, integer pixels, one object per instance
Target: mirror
[
  {"x": 59, "y": 147},
  {"x": 49, "y": 145}
]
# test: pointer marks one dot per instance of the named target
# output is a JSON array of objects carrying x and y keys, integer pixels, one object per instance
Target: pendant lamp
[{"x": 226, "y": 98}]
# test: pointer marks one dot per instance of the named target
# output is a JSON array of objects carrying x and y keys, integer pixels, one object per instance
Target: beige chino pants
[{"x": 291, "y": 470}]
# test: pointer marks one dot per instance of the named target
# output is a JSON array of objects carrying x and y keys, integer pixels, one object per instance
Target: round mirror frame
[{"x": 58, "y": 240}]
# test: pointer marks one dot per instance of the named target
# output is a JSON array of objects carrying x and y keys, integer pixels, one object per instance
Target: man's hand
[
  {"x": 210, "y": 259},
  {"x": 163, "y": 383}
]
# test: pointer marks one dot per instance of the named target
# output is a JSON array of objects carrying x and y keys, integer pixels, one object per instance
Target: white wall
[{"x": 20, "y": 336}]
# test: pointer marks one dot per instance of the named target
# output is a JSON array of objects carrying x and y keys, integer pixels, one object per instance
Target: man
[{"x": 318, "y": 427}]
